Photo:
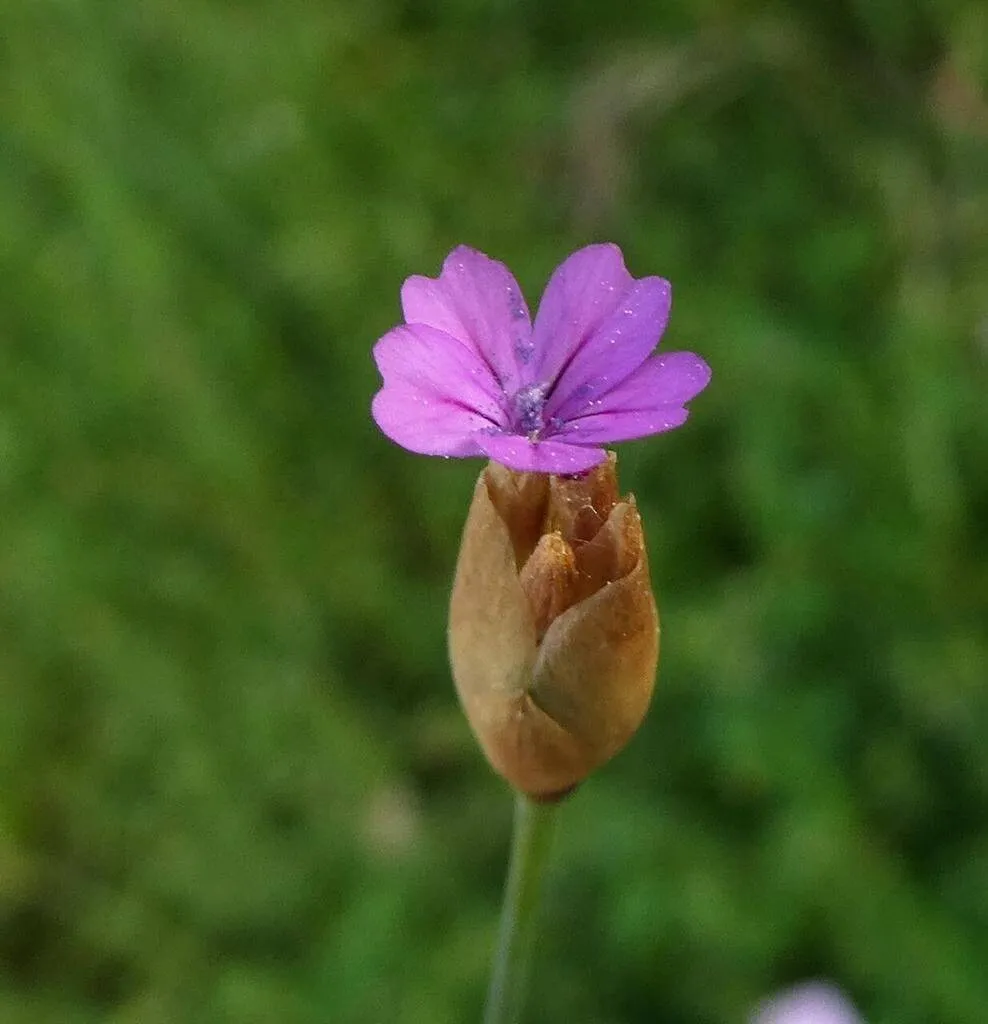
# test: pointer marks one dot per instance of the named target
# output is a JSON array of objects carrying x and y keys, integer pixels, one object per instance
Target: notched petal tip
[
  {"x": 477, "y": 300},
  {"x": 649, "y": 401},
  {"x": 617, "y": 347},
  {"x": 582, "y": 292},
  {"x": 678, "y": 376}
]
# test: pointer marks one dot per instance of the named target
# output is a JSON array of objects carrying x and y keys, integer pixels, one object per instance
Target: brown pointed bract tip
[{"x": 553, "y": 630}]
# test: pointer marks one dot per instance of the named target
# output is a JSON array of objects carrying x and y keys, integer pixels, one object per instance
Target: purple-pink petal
[
  {"x": 611, "y": 427},
  {"x": 618, "y": 347},
  {"x": 437, "y": 364},
  {"x": 437, "y": 391},
  {"x": 582, "y": 292},
  {"x": 477, "y": 301},
  {"x": 429, "y": 425},
  {"x": 647, "y": 402},
  {"x": 519, "y": 453},
  {"x": 665, "y": 380}
]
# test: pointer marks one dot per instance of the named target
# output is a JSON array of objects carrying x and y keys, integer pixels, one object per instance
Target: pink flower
[
  {"x": 468, "y": 374},
  {"x": 814, "y": 1002}
]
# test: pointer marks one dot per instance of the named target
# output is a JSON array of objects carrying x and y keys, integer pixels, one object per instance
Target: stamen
[{"x": 526, "y": 410}]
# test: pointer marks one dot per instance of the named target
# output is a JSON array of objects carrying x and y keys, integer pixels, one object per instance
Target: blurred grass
[{"x": 234, "y": 785}]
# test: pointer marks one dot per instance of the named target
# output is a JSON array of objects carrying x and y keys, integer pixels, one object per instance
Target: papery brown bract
[{"x": 553, "y": 627}]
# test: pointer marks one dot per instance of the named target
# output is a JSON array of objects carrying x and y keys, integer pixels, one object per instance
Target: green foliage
[{"x": 234, "y": 784}]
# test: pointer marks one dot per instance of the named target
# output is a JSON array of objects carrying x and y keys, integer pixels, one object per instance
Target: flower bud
[{"x": 553, "y": 630}]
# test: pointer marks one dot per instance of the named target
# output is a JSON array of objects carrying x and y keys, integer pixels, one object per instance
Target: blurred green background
[{"x": 234, "y": 782}]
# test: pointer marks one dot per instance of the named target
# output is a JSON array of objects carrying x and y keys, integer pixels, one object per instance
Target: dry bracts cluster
[{"x": 553, "y": 628}]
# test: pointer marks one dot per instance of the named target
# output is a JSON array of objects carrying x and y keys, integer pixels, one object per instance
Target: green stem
[{"x": 530, "y": 842}]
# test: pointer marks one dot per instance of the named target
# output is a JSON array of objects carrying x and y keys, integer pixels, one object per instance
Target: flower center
[{"x": 525, "y": 409}]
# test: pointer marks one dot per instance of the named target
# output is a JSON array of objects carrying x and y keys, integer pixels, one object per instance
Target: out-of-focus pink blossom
[{"x": 814, "y": 1002}]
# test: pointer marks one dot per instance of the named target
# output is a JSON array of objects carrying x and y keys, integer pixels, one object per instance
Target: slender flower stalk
[{"x": 530, "y": 843}]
